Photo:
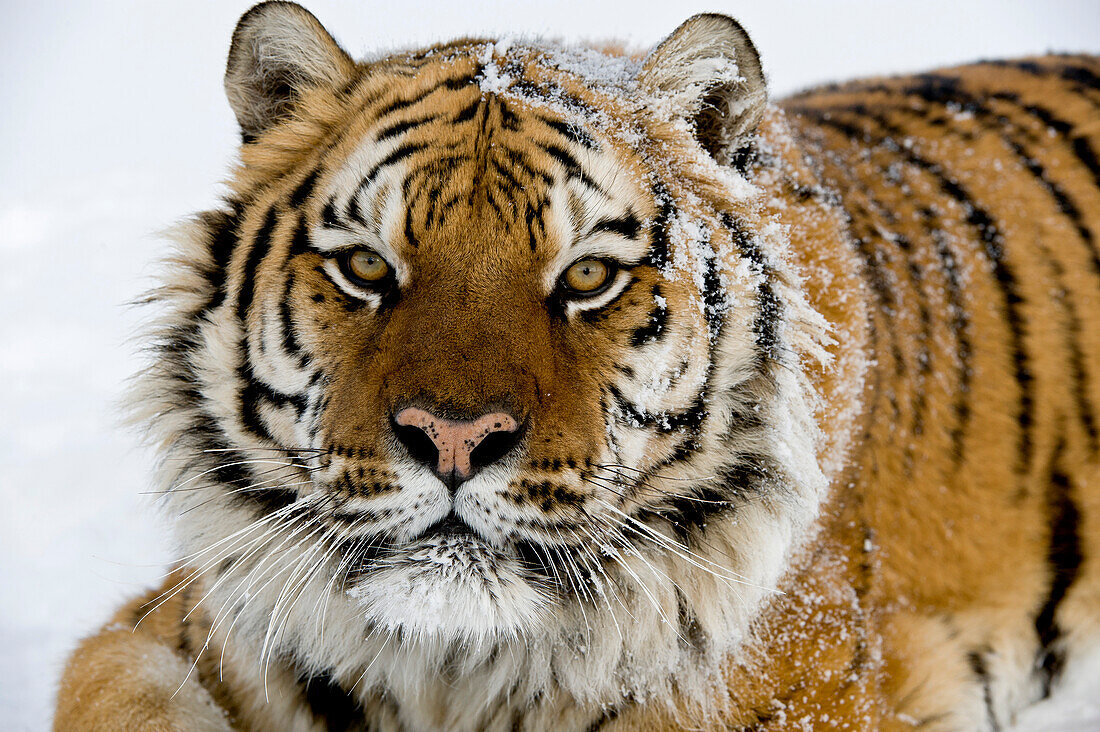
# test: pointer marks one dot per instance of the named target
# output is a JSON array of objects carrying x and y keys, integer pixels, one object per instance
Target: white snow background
[{"x": 114, "y": 125}]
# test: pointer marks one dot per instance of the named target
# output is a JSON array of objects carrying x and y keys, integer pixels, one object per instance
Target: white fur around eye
[
  {"x": 332, "y": 269},
  {"x": 580, "y": 303}
]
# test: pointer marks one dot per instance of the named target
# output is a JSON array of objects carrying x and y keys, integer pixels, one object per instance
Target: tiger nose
[{"x": 455, "y": 449}]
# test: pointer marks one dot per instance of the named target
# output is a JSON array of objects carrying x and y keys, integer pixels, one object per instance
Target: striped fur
[{"x": 823, "y": 454}]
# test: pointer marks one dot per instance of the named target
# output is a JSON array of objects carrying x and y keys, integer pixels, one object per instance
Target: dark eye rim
[
  {"x": 613, "y": 268},
  {"x": 383, "y": 284}
]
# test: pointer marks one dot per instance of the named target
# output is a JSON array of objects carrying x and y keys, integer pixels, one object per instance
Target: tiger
[{"x": 526, "y": 386}]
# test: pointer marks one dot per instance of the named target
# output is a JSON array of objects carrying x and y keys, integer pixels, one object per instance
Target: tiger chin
[{"x": 527, "y": 387}]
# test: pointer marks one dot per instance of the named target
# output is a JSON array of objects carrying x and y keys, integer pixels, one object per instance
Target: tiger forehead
[{"x": 432, "y": 165}]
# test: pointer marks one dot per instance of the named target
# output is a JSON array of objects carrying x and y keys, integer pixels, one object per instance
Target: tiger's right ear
[
  {"x": 710, "y": 70},
  {"x": 279, "y": 49}
]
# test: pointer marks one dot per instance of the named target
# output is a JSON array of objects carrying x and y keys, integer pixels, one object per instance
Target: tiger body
[{"x": 821, "y": 452}]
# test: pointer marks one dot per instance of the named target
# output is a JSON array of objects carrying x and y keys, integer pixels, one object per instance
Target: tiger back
[{"x": 973, "y": 195}]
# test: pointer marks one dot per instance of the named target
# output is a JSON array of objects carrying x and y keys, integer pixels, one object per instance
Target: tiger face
[
  {"x": 471, "y": 294},
  {"x": 488, "y": 347}
]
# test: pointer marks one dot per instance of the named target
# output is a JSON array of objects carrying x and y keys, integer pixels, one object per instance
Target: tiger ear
[
  {"x": 711, "y": 72},
  {"x": 279, "y": 49}
]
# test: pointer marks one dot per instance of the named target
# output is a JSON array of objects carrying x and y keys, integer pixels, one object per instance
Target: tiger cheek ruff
[{"x": 528, "y": 387}]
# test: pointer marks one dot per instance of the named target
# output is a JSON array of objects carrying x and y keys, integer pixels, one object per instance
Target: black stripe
[
  {"x": 300, "y": 243},
  {"x": 349, "y": 304},
  {"x": 534, "y": 220},
  {"x": 1064, "y": 202},
  {"x": 519, "y": 160},
  {"x": 960, "y": 327},
  {"x": 250, "y": 397},
  {"x": 769, "y": 308},
  {"x": 625, "y": 226},
  {"x": 304, "y": 189},
  {"x": 183, "y": 639},
  {"x": 468, "y": 113},
  {"x": 1076, "y": 74},
  {"x": 508, "y": 118},
  {"x": 657, "y": 256},
  {"x": 446, "y": 206},
  {"x": 572, "y": 168},
  {"x": 433, "y": 202},
  {"x": 399, "y": 153},
  {"x": 260, "y": 245},
  {"x": 1064, "y": 558},
  {"x": 572, "y": 103},
  {"x": 513, "y": 183},
  {"x": 1061, "y": 126},
  {"x": 396, "y": 104},
  {"x": 410, "y": 236},
  {"x": 352, "y": 212},
  {"x": 233, "y": 474},
  {"x": 267, "y": 499},
  {"x": 652, "y": 331},
  {"x": 396, "y": 155},
  {"x": 914, "y": 277},
  {"x": 338, "y": 710},
  {"x": 1082, "y": 147},
  {"x": 256, "y": 392},
  {"x": 573, "y": 131},
  {"x": 230, "y": 469},
  {"x": 661, "y": 422},
  {"x": 329, "y": 218},
  {"x": 976, "y": 659},
  {"x": 715, "y": 302},
  {"x": 452, "y": 84},
  {"x": 491, "y": 199},
  {"x": 860, "y": 235},
  {"x": 924, "y": 341},
  {"x": 883, "y": 336},
  {"x": 291, "y": 344},
  {"x": 398, "y": 127},
  {"x": 1081, "y": 75},
  {"x": 222, "y": 228},
  {"x": 692, "y": 511}
]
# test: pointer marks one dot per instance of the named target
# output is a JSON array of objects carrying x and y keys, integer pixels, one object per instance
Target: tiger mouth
[
  {"x": 452, "y": 542},
  {"x": 452, "y": 527},
  {"x": 450, "y": 534}
]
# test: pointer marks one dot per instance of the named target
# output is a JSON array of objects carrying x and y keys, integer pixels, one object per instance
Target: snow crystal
[{"x": 492, "y": 81}]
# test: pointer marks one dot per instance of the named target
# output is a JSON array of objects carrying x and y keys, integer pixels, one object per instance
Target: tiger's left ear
[
  {"x": 711, "y": 72},
  {"x": 279, "y": 50}
]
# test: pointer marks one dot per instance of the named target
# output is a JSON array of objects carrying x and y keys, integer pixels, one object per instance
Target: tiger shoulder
[{"x": 520, "y": 386}]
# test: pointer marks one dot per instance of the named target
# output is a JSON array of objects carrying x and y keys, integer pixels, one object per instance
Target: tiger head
[{"x": 495, "y": 343}]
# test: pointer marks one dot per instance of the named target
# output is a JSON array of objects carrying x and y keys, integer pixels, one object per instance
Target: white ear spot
[{"x": 710, "y": 71}]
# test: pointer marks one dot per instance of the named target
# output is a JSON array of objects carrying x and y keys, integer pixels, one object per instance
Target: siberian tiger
[{"x": 523, "y": 387}]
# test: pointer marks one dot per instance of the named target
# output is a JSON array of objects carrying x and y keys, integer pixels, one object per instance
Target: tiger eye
[
  {"x": 587, "y": 275},
  {"x": 367, "y": 265}
]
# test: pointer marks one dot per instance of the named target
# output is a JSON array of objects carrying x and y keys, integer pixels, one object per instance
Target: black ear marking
[
  {"x": 279, "y": 49},
  {"x": 711, "y": 71}
]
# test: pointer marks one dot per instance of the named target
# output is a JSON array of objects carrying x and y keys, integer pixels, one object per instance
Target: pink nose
[{"x": 456, "y": 440}]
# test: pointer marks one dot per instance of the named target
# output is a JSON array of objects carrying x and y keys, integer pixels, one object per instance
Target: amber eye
[
  {"x": 365, "y": 267},
  {"x": 587, "y": 276}
]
